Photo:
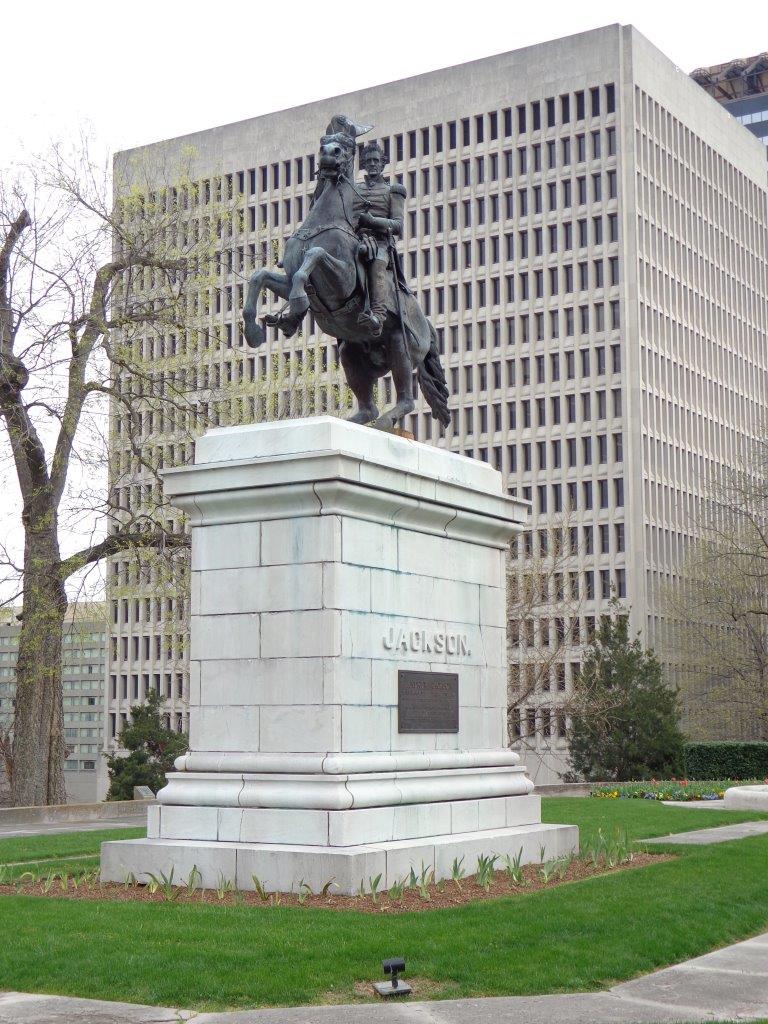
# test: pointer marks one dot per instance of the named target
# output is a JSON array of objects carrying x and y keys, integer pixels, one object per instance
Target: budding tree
[
  {"x": 720, "y": 605},
  {"x": 80, "y": 277},
  {"x": 114, "y": 356}
]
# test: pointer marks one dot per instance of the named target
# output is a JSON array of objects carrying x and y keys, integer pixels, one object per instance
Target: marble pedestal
[
  {"x": 746, "y": 798},
  {"x": 327, "y": 558}
]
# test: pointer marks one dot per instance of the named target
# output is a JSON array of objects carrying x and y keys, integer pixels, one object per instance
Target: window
[
  {"x": 603, "y": 488},
  {"x": 586, "y": 446},
  {"x": 571, "y": 447}
]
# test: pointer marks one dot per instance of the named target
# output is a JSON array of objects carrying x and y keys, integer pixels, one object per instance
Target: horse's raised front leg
[
  {"x": 402, "y": 375},
  {"x": 298, "y": 300},
  {"x": 261, "y": 279}
]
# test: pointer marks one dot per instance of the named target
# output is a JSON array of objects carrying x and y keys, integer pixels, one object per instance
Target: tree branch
[
  {"x": 117, "y": 542},
  {"x": 95, "y": 326}
]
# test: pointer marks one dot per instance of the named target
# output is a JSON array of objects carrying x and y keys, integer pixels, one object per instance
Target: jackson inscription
[
  {"x": 427, "y": 702},
  {"x": 426, "y": 641}
]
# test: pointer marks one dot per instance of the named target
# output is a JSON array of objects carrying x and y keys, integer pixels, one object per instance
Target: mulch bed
[{"x": 446, "y": 893}]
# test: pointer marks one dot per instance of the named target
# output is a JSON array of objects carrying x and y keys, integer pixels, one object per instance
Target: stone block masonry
[{"x": 333, "y": 564}]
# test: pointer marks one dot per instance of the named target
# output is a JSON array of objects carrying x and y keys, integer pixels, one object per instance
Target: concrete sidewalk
[
  {"x": 726, "y": 985},
  {"x": 719, "y": 834},
  {"x": 54, "y": 828}
]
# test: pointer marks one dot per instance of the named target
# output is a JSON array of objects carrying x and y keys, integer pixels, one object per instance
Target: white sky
[
  {"x": 130, "y": 72},
  {"x": 137, "y": 71}
]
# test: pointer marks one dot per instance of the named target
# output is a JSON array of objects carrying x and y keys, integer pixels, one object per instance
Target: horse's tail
[{"x": 432, "y": 381}]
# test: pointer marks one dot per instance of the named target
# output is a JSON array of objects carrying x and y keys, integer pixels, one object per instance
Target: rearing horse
[{"x": 323, "y": 272}]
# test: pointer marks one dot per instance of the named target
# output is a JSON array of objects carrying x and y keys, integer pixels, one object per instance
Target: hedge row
[{"x": 725, "y": 760}]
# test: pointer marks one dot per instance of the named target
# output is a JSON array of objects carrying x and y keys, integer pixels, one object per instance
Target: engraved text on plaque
[{"x": 427, "y": 702}]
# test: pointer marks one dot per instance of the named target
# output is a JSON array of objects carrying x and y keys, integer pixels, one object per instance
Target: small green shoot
[
  {"x": 261, "y": 892},
  {"x": 457, "y": 871}
]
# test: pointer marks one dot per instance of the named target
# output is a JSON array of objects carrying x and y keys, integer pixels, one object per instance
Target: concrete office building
[
  {"x": 83, "y": 666},
  {"x": 741, "y": 86},
  {"x": 586, "y": 228}
]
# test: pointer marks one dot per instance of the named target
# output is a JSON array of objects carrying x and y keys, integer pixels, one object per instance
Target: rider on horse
[
  {"x": 381, "y": 209},
  {"x": 323, "y": 266}
]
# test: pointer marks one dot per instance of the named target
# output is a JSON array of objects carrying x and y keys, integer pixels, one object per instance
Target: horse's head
[
  {"x": 337, "y": 155},
  {"x": 337, "y": 147}
]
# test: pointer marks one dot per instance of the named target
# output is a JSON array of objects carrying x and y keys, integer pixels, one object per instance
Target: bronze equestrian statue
[{"x": 342, "y": 264}]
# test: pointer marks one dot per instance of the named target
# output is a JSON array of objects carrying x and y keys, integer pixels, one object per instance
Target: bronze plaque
[{"x": 427, "y": 702}]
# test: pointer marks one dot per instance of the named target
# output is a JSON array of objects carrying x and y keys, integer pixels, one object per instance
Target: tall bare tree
[
  {"x": 113, "y": 358},
  {"x": 544, "y": 634},
  {"x": 720, "y": 607},
  {"x": 80, "y": 278}
]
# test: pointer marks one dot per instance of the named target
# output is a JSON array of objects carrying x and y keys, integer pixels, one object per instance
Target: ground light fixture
[{"x": 394, "y": 987}]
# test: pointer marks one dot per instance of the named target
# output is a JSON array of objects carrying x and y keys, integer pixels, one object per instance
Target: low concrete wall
[
  {"x": 566, "y": 789},
  {"x": 75, "y": 812}
]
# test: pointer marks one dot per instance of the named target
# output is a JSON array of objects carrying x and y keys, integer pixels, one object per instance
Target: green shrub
[
  {"x": 725, "y": 760},
  {"x": 152, "y": 749},
  {"x": 624, "y": 716}
]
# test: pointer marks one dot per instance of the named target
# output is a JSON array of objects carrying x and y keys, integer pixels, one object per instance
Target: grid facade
[
  {"x": 702, "y": 277},
  {"x": 83, "y": 666},
  {"x": 586, "y": 229}
]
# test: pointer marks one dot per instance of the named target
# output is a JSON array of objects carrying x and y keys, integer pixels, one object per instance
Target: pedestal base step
[
  {"x": 281, "y": 868},
  {"x": 314, "y": 827}
]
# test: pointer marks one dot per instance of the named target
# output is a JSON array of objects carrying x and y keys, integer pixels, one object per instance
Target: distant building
[
  {"x": 742, "y": 88},
  {"x": 587, "y": 231},
  {"x": 83, "y": 676}
]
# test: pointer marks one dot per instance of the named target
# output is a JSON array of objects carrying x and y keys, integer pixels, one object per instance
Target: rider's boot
[{"x": 377, "y": 290}]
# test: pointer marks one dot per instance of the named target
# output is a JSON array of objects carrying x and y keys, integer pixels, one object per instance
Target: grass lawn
[
  {"x": 62, "y": 845},
  {"x": 71, "y": 852},
  {"x": 580, "y": 936},
  {"x": 641, "y": 819}
]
